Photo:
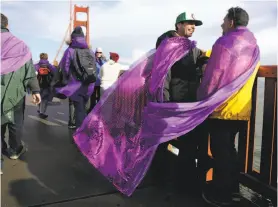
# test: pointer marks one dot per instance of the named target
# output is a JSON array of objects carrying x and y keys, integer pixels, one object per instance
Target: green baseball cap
[{"x": 182, "y": 18}]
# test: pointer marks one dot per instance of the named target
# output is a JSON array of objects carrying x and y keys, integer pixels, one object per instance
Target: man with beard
[{"x": 180, "y": 86}]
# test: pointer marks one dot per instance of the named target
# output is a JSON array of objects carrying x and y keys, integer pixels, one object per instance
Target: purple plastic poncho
[
  {"x": 14, "y": 53},
  {"x": 74, "y": 89},
  {"x": 120, "y": 136}
]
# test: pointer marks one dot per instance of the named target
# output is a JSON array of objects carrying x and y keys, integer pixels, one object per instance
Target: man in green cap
[
  {"x": 185, "y": 27},
  {"x": 180, "y": 86},
  {"x": 193, "y": 61}
]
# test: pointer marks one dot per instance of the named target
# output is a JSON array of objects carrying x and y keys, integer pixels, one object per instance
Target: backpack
[
  {"x": 84, "y": 66},
  {"x": 44, "y": 76}
]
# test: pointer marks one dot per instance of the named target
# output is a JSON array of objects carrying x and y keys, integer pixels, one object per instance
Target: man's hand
[{"x": 36, "y": 98}]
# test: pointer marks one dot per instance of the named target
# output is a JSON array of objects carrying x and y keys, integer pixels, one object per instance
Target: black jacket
[{"x": 183, "y": 78}]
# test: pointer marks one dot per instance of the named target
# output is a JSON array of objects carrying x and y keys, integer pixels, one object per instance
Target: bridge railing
[{"x": 263, "y": 178}]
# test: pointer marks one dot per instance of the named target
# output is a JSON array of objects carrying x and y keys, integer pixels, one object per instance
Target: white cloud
[
  {"x": 267, "y": 40},
  {"x": 131, "y": 27}
]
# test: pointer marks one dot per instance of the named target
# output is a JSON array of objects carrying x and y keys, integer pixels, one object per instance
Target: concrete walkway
[{"x": 54, "y": 173}]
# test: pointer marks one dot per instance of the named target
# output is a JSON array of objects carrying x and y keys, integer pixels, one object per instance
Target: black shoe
[
  {"x": 218, "y": 200},
  {"x": 211, "y": 199},
  {"x": 43, "y": 116},
  {"x": 15, "y": 154}
]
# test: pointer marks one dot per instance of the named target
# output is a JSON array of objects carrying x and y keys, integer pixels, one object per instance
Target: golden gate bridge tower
[{"x": 74, "y": 22}]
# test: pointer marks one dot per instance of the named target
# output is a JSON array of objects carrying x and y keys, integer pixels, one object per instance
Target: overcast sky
[{"x": 131, "y": 27}]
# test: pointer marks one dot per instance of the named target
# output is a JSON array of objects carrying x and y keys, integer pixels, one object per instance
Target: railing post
[
  {"x": 251, "y": 138},
  {"x": 274, "y": 157},
  {"x": 264, "y": 181},
  {"x": 243, "y": 146},
  {"x": 268, "y": 130}
]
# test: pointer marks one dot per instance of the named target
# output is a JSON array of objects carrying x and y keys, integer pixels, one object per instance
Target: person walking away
[
  {"x": 45, "y": 75},
  {"x": 109, "y": 72},
  {"x": 79, "y": 69},
  {"x": 17, "y": 74}
]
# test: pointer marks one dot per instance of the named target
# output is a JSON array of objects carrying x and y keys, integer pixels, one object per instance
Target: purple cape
[
  {"x": 74, "y": 89},
  {"x": 120, "y": 136},
  {"x": 14, "y": 53}
]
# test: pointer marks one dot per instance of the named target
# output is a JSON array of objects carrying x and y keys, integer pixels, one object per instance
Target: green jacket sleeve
[{"x": 30, "y": 79}]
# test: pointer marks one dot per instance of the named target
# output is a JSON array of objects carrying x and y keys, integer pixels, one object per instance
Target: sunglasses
[{"x": 99, "y": 52}]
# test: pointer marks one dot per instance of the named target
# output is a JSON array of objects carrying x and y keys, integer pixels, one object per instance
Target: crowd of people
[
  {"x": 55, "y": 80},
  {"x": 173, "y": 96}
]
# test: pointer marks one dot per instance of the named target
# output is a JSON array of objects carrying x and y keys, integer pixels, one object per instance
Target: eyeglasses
[{"x": 99, "y": 52}]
